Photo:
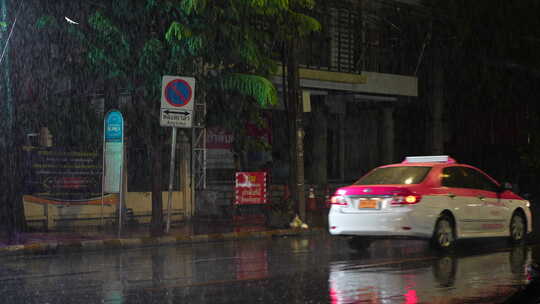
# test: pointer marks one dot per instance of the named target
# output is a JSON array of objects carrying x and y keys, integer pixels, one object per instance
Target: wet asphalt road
[{"x": 282, "y": 270}]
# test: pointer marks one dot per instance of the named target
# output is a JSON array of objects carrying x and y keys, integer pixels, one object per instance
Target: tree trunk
[
  {"x": 154, "y": 139},
  {"x": 295, "y": 111}
]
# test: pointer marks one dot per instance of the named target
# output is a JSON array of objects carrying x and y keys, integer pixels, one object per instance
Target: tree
[{"x": 227, "y": 46}]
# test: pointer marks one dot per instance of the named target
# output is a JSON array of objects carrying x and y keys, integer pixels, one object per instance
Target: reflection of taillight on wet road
[{"x": 411, "y": 297}]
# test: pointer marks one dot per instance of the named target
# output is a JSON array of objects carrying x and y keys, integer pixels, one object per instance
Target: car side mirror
[{"x": 506, "y": 186}]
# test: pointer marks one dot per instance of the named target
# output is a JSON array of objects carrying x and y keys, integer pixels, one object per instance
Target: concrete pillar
[
  {"x": 319, "y": 168},
  {"x": 341, "y": 126}
]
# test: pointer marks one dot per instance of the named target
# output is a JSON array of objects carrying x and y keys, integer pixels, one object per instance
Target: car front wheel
[
  {"x": 517, "y": 228},
  {"x": 444, "y": 236}
]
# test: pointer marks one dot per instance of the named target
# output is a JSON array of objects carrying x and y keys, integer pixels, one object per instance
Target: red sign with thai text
[{"x": 250, "y": 188}]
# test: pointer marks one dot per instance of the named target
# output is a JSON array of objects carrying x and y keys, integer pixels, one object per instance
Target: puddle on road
[{"x": 489, "y": 278}]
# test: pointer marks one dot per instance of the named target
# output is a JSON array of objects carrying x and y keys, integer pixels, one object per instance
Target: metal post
[
  {"x": 171, "y": 179},
  {"x": 121, "y": 203},
  {"x": 121, "y": 190}
]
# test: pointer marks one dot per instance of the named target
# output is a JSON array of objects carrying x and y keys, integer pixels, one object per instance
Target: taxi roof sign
[{"x": 430, "y": 159}]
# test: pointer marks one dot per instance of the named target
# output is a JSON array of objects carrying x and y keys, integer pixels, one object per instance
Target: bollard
[{"x": 312, "y": 203}]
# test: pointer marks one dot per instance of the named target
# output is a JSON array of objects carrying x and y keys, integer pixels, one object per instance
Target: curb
[{"x": 65, "y": 247}]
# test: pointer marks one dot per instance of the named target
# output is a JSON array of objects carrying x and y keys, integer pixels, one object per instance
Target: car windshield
[{"x": 405, "y": 175}]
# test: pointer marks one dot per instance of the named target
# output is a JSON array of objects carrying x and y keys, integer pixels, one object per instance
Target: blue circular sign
[{"x": 178, "y": 93}]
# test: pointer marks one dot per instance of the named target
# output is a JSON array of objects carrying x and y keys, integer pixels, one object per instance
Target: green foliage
[
  {"x": 271, "y": 6},
  {"x": 3, "y": 26},
  {"x": 110, "y": 35},
  {"x": 194, "y": 45},
  {"x": 46, "y": 21},
  {"x": 257, "y": 87},
  {"x": 109, "y": 47},
  {"x": 228, "y": 46},
  {"x": 151, "y": 56},
  {"x": 176, "y": 32},
  {"x": 305, "y": 24},
  {"x": 250, "y": 54},
  {"x": 192, "y": 6}
]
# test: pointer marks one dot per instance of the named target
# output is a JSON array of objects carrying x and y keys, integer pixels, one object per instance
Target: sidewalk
[{"x": 197, "y": 230}]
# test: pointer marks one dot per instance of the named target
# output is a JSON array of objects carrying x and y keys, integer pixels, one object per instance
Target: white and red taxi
[{"x": 430, "y": 197}]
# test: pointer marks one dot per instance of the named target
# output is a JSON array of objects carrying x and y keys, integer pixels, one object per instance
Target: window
[
  {"x": 405, "y": 175},
  {"x": 454, "y": 177},
  {"x": 480, "y": 180},
  {"x": 464, "y": 177}
]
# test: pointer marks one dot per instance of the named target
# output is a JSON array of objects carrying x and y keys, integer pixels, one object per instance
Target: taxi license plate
[{"x": 367, "y": 204}]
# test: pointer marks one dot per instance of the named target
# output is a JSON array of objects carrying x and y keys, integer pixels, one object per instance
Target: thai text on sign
[{"x": 250, "y": 188}]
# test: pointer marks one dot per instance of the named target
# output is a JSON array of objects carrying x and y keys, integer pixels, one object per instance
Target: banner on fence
[{"x": 57, "y": 176}]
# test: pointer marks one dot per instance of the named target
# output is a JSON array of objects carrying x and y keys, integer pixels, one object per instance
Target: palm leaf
[{"x": 257, "y": 87}]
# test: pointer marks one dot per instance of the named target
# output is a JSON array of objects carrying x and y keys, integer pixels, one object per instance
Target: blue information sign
[
  {"x": 113, "y": 149},
  {"x": 114, "y": 126}
]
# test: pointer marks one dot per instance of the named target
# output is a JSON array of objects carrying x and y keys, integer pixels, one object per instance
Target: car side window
[
  {"x": 480, "y": 181},
  {"x": 454, "y": 177}
]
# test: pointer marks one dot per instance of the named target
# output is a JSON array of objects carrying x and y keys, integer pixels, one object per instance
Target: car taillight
[
  {"x": 409, "y": 199},
  {"x": 338, "y": 200}
]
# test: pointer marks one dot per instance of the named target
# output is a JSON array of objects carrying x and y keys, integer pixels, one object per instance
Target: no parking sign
[{"x": 177, "y": 95}]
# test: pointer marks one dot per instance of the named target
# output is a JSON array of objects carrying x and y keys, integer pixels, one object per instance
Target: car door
[
  {"x": 463, "y": 201},
  {"x": 491, "y": 209}
]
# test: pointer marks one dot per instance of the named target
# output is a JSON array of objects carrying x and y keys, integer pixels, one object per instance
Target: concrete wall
[{"x": 53, "y": 216}]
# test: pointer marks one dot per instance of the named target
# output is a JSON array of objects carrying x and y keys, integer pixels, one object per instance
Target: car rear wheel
[
  {"x": 359, "y": 243},
  {"x": 444, "y": 236},
  {"x": 517, "y": 228}
]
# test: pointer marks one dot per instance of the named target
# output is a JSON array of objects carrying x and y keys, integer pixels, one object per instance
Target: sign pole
[
  {"x": 121, "y": 188},
  {"x": 177, "y": 95},
  {"x": 171, "y": 179},
  {"x": 121, "y": 203}
]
